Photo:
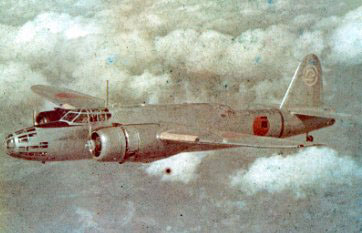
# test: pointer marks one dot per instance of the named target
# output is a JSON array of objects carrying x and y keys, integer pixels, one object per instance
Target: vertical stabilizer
[{"x": 305, "y": 89}]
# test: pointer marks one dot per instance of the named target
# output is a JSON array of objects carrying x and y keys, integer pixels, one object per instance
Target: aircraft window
[
  {"x": 20, "y": 131},
  {"x": 31, "y": 135},
  {"x": 43, "y": 144},
  {"x": 93, "y": 117},
  {"x": 30, "y": 129},
  {"x": 83, "y": 118},
  {"x": 70, "y": 116},
  {"x": 8, "y": 144},
  {"x": 102, "y": 117},
  {"x": 23, "y": 138},
  {"x": 42, "y": 120}
]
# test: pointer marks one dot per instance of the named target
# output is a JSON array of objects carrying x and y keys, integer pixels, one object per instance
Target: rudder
[{"x": 305, "y": 89}]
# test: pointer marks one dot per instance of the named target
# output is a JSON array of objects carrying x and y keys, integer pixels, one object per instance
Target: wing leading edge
[{"x": 230, "y": 139}]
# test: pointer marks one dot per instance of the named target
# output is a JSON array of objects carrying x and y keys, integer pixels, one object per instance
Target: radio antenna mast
[
  {"x": 34, "y": 116},
  {"x": 107, "y": 93}
]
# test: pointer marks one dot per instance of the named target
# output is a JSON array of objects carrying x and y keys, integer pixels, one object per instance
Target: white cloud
[
  {"x": 198, "y": 46},
  {"x": 309, "y": 168},
  {"x": 131, "y": 210},
  {"x": 138, "y": 55},
  {"x": 86, "y": 220},
  {"x": 16, "y": 77},
  {"x": 309, "y": 41},
  {"x": 47, "y": 24},
  {"x": 346, "y": 40},
  {"x": 181, "y": 167},
  {"x": 148, "y": 85}
]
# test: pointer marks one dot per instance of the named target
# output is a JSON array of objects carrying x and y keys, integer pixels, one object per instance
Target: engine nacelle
[
  {"x": 108, "y": 144},
  {"x": 129, "y": 142}
]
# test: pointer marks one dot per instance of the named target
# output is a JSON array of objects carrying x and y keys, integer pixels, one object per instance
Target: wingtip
[
  {"x": 34, "y": 87},
  {"x": 39, "y": 87},
  {"x": 311, "y": 145}
]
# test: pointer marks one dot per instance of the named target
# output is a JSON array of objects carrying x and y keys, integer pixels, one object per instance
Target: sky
[{"x": 239, "y": 53}]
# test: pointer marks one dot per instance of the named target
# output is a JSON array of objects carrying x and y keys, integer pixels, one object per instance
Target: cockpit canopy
[
  {"x": 85, "y": 116},
  {"x": 50, "y": 116},
  {"x": 73, "y": 117}
]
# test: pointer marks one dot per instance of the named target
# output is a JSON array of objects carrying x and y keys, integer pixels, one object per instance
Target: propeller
[{"x": 94, "y": 145}]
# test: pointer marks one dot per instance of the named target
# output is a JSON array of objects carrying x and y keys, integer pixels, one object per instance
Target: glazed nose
[
  {"x": 9, "y": 144},
  {"x": 17, "y": 142}
]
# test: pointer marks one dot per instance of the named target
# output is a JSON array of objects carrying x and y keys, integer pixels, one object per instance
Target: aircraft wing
[
  {"x": 319, "y": 112},
  {"x": 67, "y": 98},
  {"x": 229, "y": 139}
]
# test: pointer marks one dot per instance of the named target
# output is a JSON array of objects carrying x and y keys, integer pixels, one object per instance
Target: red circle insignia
[
  {"x": 67, "y": 95},
  {"x": 261, "y": 125}
]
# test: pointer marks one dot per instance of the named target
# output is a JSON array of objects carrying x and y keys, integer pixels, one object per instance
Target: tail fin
[{"x": 305, "y": 89}]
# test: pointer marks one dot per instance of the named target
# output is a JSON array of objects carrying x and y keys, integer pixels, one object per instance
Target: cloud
[
  {"x": 181, "y": 168},
  {"x": 149, "y": 86},
  {"x": 169, "y": 58},
  {"x": 243, "y": 56},
  {"x": 86, "y": 220},
  {"x": 15, "y": 81},
  {"x": 47, "y": 24},
  {"x": 16, "y": 12},
  {"x": 161, "y": 51},
  {"x": 346, "y": 40},
  {"x": 14, "y": 77},
  {"x": 312, "y": 168}
]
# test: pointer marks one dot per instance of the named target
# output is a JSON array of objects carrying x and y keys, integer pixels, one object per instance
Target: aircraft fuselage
[{"x": 137, "y": 129}]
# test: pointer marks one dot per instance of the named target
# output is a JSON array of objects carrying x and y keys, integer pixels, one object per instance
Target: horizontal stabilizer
[{"x": 319, "y": 112}]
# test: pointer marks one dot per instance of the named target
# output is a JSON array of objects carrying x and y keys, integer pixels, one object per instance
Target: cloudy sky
[{"x": 234, "y": 52}]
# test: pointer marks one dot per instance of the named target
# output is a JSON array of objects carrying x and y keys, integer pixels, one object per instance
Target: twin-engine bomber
[{"x": 81, "y": 129}]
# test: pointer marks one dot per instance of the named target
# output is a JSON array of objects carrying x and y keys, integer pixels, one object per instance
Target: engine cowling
[
  {"x": 137, "y": 143},
  {"x": 108, "y": 144}
]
